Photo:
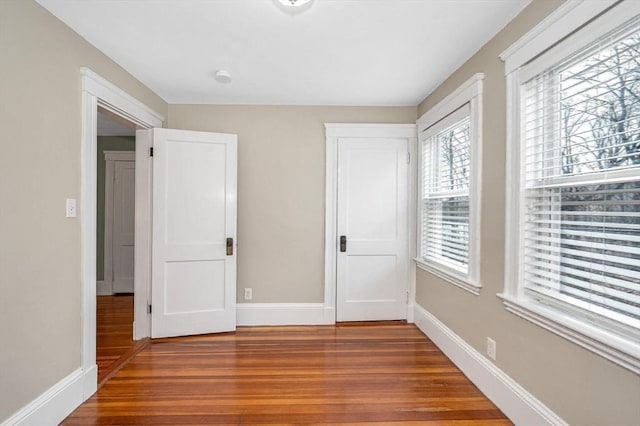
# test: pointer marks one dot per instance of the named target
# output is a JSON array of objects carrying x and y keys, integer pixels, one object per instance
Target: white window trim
[
  {"x": 469, "y": 92},
  {"x": 568, "y": 19},
  {"x": 449, "y": 275}
]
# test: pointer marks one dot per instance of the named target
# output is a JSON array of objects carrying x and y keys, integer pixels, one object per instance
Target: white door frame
[
  {"x": 335, "y": 131},
  {"x": 110, "y": 158},
  {"x": 96, "y": 91}
]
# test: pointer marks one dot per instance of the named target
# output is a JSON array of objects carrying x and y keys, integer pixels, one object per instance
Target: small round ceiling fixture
[
  {"x": 293, "y": 6},
  {"x": 294, "y": 3},
  {"x": 223, "y": 76}
]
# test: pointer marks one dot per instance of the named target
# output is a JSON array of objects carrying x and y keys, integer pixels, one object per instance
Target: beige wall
[
  {"x": 581, "y": 387},
  {"x": 281, "y": 217},
  {"x": 40, "y": 289},
  {"x": 281, "y": 172}
]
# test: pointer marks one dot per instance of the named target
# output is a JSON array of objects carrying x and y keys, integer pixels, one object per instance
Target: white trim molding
[
  {"x": 52, "y": 406},
  {"x": 284, "y": 314},
  {"x": 116, "y": 100},
  {"x": 462, "y": 95},
  {"x": 567, "y": 18},
  {"x": 98, "y": 92},
  {"x": 520, "y": 406},
  {"x": 623, "y": 352},
  {"x": 448, "y": 276},
  {"x": 369, "y": 130},
  {"x": 335, "y": 131}
]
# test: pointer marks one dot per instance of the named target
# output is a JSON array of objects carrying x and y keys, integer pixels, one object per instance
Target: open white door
[
  {"x": 372, "y": 225},
  {"x": 193, "y": 277}
]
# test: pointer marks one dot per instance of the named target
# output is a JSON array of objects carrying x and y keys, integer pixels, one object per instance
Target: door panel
[
  {"x": 184, "y": 279},
  {"x": 372, "y": 274},
  {"x": 123, "y": 226},
  {"x": 371, "y": 190},
  {"x": 196, "y": 186},
  {"x": 371, "y": 278},
  {"x": 194, "y": 212}
]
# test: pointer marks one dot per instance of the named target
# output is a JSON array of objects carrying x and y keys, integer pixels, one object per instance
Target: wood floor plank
[
  {"x": 114, "y": 334},
  {"x": 386, "y": 373}
]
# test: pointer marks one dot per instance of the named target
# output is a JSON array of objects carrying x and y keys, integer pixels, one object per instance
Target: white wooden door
[
  {"x": 194, "y": 233},
  {"x": 123, "y": 226},
  {"x": 372, "y": 221}
]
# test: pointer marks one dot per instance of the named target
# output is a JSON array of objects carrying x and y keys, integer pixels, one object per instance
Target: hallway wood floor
[
  {"x": 114, "y": 334},
  {"x": 388, "y": 373}
]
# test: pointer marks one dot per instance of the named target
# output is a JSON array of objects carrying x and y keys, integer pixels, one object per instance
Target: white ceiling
[{"x": 337, "y": 52}]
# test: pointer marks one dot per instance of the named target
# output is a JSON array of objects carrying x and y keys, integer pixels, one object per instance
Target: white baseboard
[
  {"x": 104, "y": 288},
  {"x": 53, "y": 405},
  {"x": 89, "y": 382},
  {"x": 411, "y": 312},
  {"x": 517, "y": 403},
  {"x": 284, "y": 314}
]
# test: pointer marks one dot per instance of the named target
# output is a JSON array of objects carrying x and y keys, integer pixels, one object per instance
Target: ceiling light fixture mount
[
  {"x": 293, "y": 6},
  {"x": 223, "y": 76},
  {"x": 294, "y": 3}
]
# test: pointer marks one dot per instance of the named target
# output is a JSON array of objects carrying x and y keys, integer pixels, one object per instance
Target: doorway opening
[
  {"x": 101, "y": 96},
  {"x": 115, "y": 242}
]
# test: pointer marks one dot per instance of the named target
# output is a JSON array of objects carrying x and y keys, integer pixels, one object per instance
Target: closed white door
[
  {"x": 194, "y": 233},
  {"x": 372, "y": 225},
  {"x": 123, "y": 225}
]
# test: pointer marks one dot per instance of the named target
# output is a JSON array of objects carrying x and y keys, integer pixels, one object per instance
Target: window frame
[
  {"x": 577, "y": 24},
  {"x": 469, "y": 93}
]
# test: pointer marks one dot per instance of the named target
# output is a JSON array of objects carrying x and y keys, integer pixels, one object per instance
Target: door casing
[
  {"x": 99, "y": 92},
  {"x": 335, "y": 131}
]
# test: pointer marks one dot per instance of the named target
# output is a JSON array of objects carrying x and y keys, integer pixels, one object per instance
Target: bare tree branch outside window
[{"x": 598, "y": 128}]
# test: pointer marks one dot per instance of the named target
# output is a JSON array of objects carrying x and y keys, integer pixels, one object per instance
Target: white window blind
[
  {"x": 446, "y": 150},
  {"x": 580, "y": 177}
]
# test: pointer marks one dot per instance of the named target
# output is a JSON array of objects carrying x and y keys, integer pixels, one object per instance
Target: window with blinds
[
  {"x": 446, "y": 161},
  {"x": 580, "y": 180}
]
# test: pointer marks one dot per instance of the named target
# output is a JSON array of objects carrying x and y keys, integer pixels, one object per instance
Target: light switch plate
[{"x": 71, "y": 207}]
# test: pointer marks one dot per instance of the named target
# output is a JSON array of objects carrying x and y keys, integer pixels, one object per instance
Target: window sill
[
  {"x": 617, "y": 349},
  {"x": 448, "y": 276}
]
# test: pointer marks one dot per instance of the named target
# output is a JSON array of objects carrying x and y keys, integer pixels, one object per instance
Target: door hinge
[
  {"x": 407, "y": 302},
  {"x": 149, "y": 309},
  {"x": 151, "y": 152},
  {"x": 408, "y": 158}
]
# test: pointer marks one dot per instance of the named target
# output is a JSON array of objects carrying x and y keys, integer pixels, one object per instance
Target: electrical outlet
[
  {"x": 491, "y": 348},
  {"x": 248, "y": 293}
]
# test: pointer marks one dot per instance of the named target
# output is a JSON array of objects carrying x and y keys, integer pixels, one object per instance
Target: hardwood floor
[
  {"x": 114, "y": 334},
  {"x": 388, "y": 373}
]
